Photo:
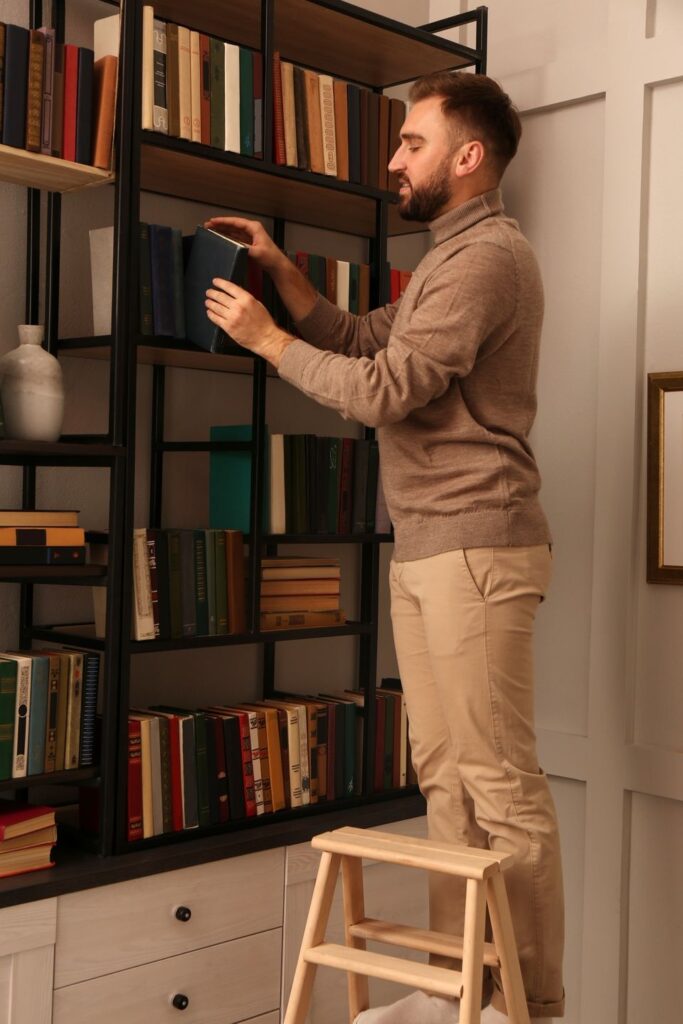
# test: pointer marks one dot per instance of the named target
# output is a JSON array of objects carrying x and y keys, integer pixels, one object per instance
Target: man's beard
[{"x": 425, "y": 202}]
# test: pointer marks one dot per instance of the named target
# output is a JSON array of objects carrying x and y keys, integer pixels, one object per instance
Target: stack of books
[
  {"x": 188, "y": 583},
  {"x": 333, "y": 127},
  {"x": 300, "y": 591},
  {"x": 48, "y": 707},
  {"x": 41, "y": 537},
  {"x": 27, "y": 836},
  {"x": 196, "y": 768},
  {"x": 199, "y": 88},
  {"x": 60, "y": 99}
]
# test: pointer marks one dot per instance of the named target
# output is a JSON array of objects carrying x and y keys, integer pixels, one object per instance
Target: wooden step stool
[{"x": 346, "y": 847}]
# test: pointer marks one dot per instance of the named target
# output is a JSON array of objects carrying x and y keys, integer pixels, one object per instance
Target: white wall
[{"x": 595, "y": 186}]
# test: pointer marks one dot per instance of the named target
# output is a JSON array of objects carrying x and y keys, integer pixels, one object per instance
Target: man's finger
[{"x": 230, "y": 288}]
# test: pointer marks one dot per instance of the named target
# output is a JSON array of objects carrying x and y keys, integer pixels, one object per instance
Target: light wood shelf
[{"x": 35, "y": 170}]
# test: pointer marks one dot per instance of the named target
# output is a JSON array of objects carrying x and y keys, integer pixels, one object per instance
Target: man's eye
[{"x": 411, "y": 149}]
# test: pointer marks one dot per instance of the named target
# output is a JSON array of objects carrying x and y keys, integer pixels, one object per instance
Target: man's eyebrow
[{"x": 412, "y": 136}]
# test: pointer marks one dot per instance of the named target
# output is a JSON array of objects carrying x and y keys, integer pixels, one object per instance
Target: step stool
[{"x": 346, "y": 847}]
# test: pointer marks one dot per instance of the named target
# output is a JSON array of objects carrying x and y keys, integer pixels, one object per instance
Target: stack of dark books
[{"x": 41, "y": 537}]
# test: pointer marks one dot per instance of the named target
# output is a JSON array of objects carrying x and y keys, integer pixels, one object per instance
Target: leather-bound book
[
  {"x": 16, "y": 77},
  {"x": 105, "y": 76},
  {"x": 341, "y": 127},
  {"x": 84, "y": 105},
  {"x": 212, "y": 255},
  {"x": 34, "y": 92},
  {"x": 279, "y": 152},
  {"x": 173, "y": 79},
  {"x": 302, "y": 147},
  {"x": 314, "y": 122}
]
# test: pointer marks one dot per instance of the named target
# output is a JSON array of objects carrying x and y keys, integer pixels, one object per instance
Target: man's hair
[{"x": 479, "y": 104}]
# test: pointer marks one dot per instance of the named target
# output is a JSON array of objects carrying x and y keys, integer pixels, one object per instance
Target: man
[{"x": 447, "y": 375}]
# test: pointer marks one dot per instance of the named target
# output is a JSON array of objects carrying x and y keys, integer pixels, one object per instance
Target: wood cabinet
[{"x": 27, "y": 938}]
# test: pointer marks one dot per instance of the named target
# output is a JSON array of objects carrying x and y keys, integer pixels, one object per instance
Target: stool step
[
  {"x": 418, "y": 938},
  {"x": 438, "y": 980},
  {"x": 463, "y": 861}
]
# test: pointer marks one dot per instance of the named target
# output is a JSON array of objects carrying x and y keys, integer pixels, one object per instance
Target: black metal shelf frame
[{"x": 116, "y": 450}]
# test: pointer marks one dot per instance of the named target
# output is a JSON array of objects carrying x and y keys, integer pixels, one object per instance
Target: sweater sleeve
[
  {"x": 335, "y": 330},
  {"x": 468, "y": 302}
]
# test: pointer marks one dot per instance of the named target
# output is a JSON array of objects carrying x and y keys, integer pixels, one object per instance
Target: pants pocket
[{"x": 478, "y": 565}]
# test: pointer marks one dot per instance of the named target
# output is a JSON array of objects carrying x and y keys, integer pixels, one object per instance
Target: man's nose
[{"x": 397, "y": 161}]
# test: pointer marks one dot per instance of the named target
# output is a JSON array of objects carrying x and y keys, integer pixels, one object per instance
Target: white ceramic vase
[{"x": 32, "y": 389}]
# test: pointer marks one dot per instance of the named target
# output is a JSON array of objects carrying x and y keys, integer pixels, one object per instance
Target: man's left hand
[{"x": 246, "y": 320}]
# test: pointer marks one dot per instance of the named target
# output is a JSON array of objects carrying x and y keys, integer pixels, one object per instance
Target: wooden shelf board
[
  {"x": 68, "y": 777},
  {"x": 58, "y": 453},
  {"x": 84, "y": 575},
  {"x": 358, "y": 47},
  {"x": 238, "y": 22},
  {"x": 176, "y": 172},
  {"x": 164, "y": 353},
  {"x": 34, "y": 170}
]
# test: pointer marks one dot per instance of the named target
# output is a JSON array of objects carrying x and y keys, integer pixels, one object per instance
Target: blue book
[
  {"x": 161, "y": 265},
  {"x": 40, "y": 672},
  {"x": 210, "y": 255},
  {"x": 91, "y": 677},
  {"x": 230, "y": 482}
]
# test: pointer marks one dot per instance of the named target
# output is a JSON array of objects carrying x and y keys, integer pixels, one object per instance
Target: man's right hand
[{"x": 262, "y": 248}]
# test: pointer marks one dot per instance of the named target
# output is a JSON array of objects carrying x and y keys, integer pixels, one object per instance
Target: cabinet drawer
[
  {"x": 114, "y": 927},
  {"x": 230, "y": 982}
]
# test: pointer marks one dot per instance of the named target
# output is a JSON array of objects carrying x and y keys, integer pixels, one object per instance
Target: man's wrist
[{"x": 277, "y": 346}]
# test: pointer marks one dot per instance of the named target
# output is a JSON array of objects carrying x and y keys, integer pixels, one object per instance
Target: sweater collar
[{"x": 466, "y": 215}]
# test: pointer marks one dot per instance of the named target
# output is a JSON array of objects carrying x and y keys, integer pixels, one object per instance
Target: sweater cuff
[
  {"x": 293, "y": 362},
  {"x": 317, "y": 326}
]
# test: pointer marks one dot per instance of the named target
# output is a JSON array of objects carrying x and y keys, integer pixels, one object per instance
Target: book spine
[
  {"x": 20, "y": 536},
  {"x": 279, "y": 153},
  {"x": 341, "y": 125},
  {"x": 34, "y": 94},
  {"x": 174, "y": 584},
  {"x": 151, "y": 540},
  {"x": 146, "y": 313},
  {"x": 84, "y": 106},
  {"x": 2, "y": 74},
  {"x": 247, "y": 767},
  {"x": 143, "y": 616},
  {"x": 48, "y": 91},
  {"x": 172, "y": 79},
  {"x": 8, "y": 702},
  {"x": 303, "y": 619},
  {"x": 303, "y": 756},
  {"x": 210, "y": 549},
  {"x": 220, "y": 767},
  {"x": 234, "y": 767},
  {"x": 205, "y": 89},
  {"x": 159, "y": 102},
  {"x": 148, "y": 68},
  {"x": 105, "y": 73},
  {"x": 58, "y": 100},
  {"x": 161, "y": 266},
  {"x": 200, "y": 584},
  {"x": 40, "y": 672},
  {"x": 174, "y": 742},
  {"x": 178, "y": 287},
  {"x": 289, "y": 113},
  {"x": 327, "y": 115},
  {"x": 184, "y": 83},
  {"x": 91, "y": 676},
  {"x": 195, "y": 88},
  {"x": 189, "y": 773},
  {"x": 16, "y": 77},
  {"x": 62, "y": 705},
  {"x": 50, "y": 554},
  {"x": 217, "y": 57},
  {"x": 134, "y": 804},
  {"x": 258, "y": 104},
  {"x": 232, "y": 97},
  {"x": 187, "y": 584},
  {"x": 165, "y": 771},
  {"x": 302, "y": 147},
  {"x": 246, "y": 120},
  {"x": 21, "y": 719},
  {"x": 73, "y": 711},
  {"x": 52, "y": 714},
  {"x": 314, "y": 122},
  {"x": 221, "y": 579}
]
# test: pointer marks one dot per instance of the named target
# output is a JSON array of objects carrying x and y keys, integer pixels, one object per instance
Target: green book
[
  {"x": 210, "y": 547},
  {"x": 166, "y": 770},
  {"x": 246, "y": 102},
  {"x": 217, "y": 68},
  {"x": 40, "y": 672},
  {"x": 201, "y": 596},
  {"x": 174, "y": 584},
  {"x": 334, "y": 455},
  {"x": 354, "y": 288},
  {"x": 8, "y": 696},
  {"x": 221, "y": 577},
  {"x": 230, "y": 482}
]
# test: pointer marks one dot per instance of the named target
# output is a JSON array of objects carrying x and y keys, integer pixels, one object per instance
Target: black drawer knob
[
  {"x": 183, "y": 913},
  {"x": 180, "y": 1001}
]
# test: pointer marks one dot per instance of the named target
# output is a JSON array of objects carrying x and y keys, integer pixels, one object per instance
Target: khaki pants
[{"x": 463, "y": 624}]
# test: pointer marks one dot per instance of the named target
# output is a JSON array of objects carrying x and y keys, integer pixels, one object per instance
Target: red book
[
  {"x": 70, "y": 101},
  {"x": 258, "y": 104},
  {"x": 205, "y": 101},
  {"x": 174, "y": 744},
  {"x": 134, "y": 781},
  {"x": 405, "y": 276},
  {"x": 247, "y": 764},
  {"x": 278, "y": 113},
  {"x": 345, "y": 486},
  {"x": 18, "y": 818},
  {"x": 395, "y": 285}
]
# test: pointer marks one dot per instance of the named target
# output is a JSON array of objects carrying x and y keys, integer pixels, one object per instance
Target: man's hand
[
  {"x": 262, "y": 249},
  {"x": 246, "y": 320}
]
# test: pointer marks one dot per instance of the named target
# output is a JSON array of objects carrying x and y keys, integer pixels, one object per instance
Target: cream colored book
[
  {"x": 146, "y": 764},
  {"x": 289, "y": 112},
  {"x": 148, "y": 67},
  {"x": 143, "y": 616},
  {"x": 232, "y": 98},
  {"x": 184, "y": 88},
  {"x": 160, "y": 111},
  {"x": 343, "y": 284},
  {"x": 293, "y": 750},
  {"x": 195, "y": 87},
  {"x": 328, "y": 124}
]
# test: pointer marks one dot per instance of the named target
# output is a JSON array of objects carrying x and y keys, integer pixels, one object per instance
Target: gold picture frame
[{"x": 665, "y": 478}]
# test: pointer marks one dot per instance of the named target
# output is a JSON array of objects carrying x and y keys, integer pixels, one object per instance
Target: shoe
[{"x": 417, "y": 1008}]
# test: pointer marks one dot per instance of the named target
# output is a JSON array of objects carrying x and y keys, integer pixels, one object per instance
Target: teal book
[
  {"x": 40, "y": 672},
  {"x": 246, "y": 102},
  {"x": 8, "y": 697},
  {"x": 230, "y": 481}
]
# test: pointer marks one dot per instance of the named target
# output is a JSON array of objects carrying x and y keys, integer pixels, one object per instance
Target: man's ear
[{"x": 469, "y": 158}]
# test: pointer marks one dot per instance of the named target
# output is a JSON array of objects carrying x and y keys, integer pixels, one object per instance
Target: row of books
[
  {"x": 59, "y": 99},
  {"x": 300, "y": 592},
  {"x": 199, "y": 88},
  {"x": 202, "y": 767},
  {"x": 329, "y": 126},
  {"x": 325, "y": 485},
  {"x": 188, "y": 583},
  {"x": 27, "y": 837},
  {"x": 48, "y": 705}
]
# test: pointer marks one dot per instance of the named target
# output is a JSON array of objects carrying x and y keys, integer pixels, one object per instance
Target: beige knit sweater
[{"x": 447, "y": 374}]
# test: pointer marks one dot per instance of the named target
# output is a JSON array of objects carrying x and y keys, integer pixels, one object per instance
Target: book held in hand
[{"x": 212, "y": 255}]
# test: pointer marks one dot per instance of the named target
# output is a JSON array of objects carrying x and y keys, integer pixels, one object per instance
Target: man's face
[{"x": 424, "y": 162}]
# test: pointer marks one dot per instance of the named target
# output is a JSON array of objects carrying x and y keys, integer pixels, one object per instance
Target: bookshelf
[{"x": 324, "y": 35}]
